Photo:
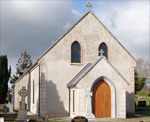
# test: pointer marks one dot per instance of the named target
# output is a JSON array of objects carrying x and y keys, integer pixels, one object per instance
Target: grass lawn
[
  {"x": 142, "y": 96},
  {"x": 55, "y": 121},
  {"x": 10, "y": 116},
  {"x": 143, "y": 112}
]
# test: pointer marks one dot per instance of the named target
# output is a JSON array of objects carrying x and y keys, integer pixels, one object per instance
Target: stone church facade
[{"x": 86, "y": 71}]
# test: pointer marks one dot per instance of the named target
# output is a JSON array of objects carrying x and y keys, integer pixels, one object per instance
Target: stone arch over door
[{"x": 112, "y": 91}]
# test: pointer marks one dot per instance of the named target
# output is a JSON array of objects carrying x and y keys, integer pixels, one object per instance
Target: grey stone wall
[
  {"x": 59, "y": 70},
  {"x": 56, "y": 69}
]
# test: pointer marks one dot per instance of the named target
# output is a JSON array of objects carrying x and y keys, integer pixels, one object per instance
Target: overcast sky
[{"x": 33, "y": 26}]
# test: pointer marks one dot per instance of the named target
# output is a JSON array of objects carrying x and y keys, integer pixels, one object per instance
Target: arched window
[
  {"x": 75, "y": 52},
  {"x": 103, "y": 50}
]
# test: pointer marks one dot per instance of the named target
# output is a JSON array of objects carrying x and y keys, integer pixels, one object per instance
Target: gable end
[
  {"x": 114, "y": 37},
  {"x": 64, "y": 35}
]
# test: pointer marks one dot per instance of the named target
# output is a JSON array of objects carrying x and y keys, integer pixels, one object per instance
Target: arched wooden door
[{"x": 101, "y": 100}]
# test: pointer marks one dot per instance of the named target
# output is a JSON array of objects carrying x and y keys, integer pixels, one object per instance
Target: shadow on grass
[{"x": 143, "y": 112}]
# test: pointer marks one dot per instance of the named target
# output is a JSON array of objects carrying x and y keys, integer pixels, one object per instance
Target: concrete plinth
[
  {"x": 21, "y": 120},
  {"x": 22, "y": 116},
  {"x": 90, "y": 117}
]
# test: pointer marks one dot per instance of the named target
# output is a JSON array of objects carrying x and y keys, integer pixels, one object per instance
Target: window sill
[{"x": 76, "y": 64}]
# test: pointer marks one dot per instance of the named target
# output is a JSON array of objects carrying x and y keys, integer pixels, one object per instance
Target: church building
[{"x": 86, "y": 71}]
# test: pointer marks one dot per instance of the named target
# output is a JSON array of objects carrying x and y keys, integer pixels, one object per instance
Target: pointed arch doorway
[{"x": 101, "y": 99}]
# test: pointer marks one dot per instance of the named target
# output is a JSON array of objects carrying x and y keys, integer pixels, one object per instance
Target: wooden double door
[{"x": 101, "y": 100}]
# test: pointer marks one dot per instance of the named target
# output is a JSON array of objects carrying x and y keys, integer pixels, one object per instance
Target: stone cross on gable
[
  {"x": 23, "y": 94},
  {"x": 101, "y": 52},
  {"x": 88, "y": 5}
]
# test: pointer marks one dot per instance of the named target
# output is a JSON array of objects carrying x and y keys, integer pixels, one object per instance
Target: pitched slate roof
[
  {"x": 87, "y": 68},
  {"x": 33, "y": 66},
  {"x": 75, "y": 79}
]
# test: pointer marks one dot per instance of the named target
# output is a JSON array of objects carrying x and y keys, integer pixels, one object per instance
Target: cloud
[
  {"x": 129, "y": 22},
  {"x": 76, "y": 12},
  {"x": 32, "y": 26}
]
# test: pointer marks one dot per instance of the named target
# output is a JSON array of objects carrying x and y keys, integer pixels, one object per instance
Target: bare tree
[{"x": 143, "y": 68}]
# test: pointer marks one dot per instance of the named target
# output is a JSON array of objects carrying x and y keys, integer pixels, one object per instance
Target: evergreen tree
[
  {"x": 24, "y": 62},
  {"x": 4, "y": 78},
  {"x": 139, "y": 81}
]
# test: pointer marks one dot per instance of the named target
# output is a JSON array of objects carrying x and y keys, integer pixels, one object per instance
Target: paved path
[{"x": 136, "y": 119}]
